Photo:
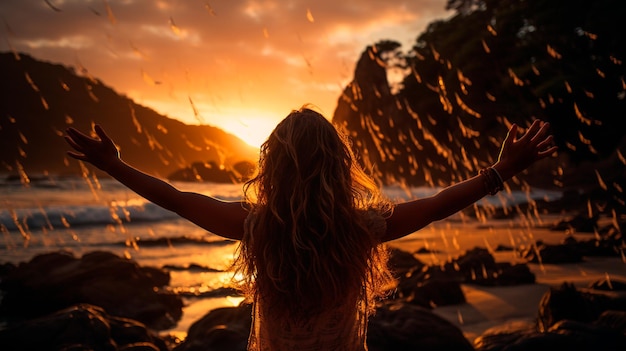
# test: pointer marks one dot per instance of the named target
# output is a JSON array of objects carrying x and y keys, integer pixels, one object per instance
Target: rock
[
  {"x": 395, "y": 326},
  {"x": 615, "y": 320},
  {"x": 80, "y": 327},
  {"x": 498, "y": 337},
  {"x": 54, "y": 281},
  {"x": 578, "y": 223},
  {"x": 507, "y": 274},
  {"x": 478, "y": 266},
  {"x": 399, "y": 326},
  {"x": 544, "y": 253},
  {"x": 402, "y": 262},
  {"x": 430, "y": 286},
  {"x": 564, "y": 335},
  {"x": 474, "y": 259},
  {"x": 608, "y": 284},
  {"x": 205, "y": 172},
  {"x": 569, "y": 303},
  {"x": 224, "y": 328}
]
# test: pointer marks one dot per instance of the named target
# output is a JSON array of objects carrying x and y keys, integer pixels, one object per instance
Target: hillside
[
  {"x": 41, "y": 99},
  {"x": 468, "y": 78}
]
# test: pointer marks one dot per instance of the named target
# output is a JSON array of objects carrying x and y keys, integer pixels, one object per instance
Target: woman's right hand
[{"x": 100, "y": 152}]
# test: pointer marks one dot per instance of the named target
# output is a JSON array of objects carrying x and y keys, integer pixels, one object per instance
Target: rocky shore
[{"x": 104, "y": 302}]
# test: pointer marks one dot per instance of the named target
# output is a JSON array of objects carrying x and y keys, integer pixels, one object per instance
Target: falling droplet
[
  {"x": 196, "y": 114},
  {"x": 54, "y": 8},
  {"x": 552, "y": 52},
  {"x": 175, "y": 29},
  {"x": 110, "y": 14},
  {"x": 209, "y": 9},
  {"x": 600, "y": 180},
  {"x": 486, "y": 47},
  {"x": 23, "y": 176},
  {"x": 309, "y": 16},
  {"x": 608, "y": 280}
]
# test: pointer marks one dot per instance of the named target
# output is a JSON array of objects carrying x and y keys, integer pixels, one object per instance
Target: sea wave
[
  {"x": 84, "y": 215},
  {"x": 179, "y": 240},
  {"x": 75, "y": 202}
]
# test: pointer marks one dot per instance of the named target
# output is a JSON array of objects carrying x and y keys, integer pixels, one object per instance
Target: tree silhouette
[{"x": 492, "y": 64}]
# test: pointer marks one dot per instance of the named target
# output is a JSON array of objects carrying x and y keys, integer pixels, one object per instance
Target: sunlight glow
[
  {"x": 253, "y": 126},
  {"x": 71, "y": 42},
  {"x": 171, "y": 31},
  {"x": 257, "y": 9}
]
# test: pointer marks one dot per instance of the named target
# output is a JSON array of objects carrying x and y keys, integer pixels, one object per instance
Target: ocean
[{"x": 84, "y": 214}]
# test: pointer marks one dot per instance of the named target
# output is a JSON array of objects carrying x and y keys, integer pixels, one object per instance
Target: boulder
[
  {"x": 563, "y": 335},
  {"x": 559, "y": 253},
  {"x": 54, "y": 281},
  {"x": 400, "y": 326},
  {"x": 80, "y": 327},
  {"x": 395, "y": 326},
  {"x": 440, "y": 285},
  {"x": 224, "y": 328},
  {"x": 478, "y": 266},
  {"x": 430, "y": 287},
  {"x": 569, "y": 303}
]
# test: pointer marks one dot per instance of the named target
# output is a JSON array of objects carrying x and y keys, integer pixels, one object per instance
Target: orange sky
[{"x": 241, "y": 65}]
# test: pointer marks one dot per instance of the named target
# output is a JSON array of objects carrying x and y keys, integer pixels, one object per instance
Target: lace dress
[{"x": 340, "y": 329}]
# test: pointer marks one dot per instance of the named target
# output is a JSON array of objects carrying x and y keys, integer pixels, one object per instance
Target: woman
[{"x": 311, "y": 226}]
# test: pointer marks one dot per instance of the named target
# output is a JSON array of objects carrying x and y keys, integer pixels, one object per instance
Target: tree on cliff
[{"x": 492, "y": 64}]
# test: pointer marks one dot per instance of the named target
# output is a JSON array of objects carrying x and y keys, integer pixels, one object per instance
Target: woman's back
[
  {"x": 310, "y": 255},
  {"x": 338, "y": 325},
  {"x": 334, "y": 329}
]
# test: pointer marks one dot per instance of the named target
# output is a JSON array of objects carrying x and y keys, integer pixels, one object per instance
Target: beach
[
  {"x": 486, "y": 307},
  {"x": 503, "y": 306},
  {"x": 83, "y": 216}
]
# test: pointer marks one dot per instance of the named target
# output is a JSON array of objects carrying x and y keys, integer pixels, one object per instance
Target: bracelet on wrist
[{"x": 492, "y": 180}]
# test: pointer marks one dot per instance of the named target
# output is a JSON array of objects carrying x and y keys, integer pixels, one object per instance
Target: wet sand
[{"x": 507, "y": 306}]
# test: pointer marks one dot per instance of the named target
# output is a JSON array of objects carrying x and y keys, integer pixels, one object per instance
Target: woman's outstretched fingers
[
  {"x": 541, "y": 133},
  {"x": 511, "y": 136},
  {"x": 531, "y": 132},
  {"x": 100, "y": 150},
  {"x": 80, "y": 137},
  {"x": 542, "y": 142},
  {"x": 102, "y": 135},
  {"x": 547, "y": 148},
  {"x": 72, "y": 143},
  {"x": 545, "y": 143}
]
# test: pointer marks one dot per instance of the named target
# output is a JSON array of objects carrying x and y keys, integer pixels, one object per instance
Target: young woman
[{"x": 311, "y": 225}]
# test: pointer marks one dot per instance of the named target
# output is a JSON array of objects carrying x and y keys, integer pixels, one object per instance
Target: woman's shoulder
[{"x": 374, "y": 220}]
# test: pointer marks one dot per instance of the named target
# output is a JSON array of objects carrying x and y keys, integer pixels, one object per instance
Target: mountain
[
  {"x": 468, "y": 78},
  {"x": 41, "y": 99}
]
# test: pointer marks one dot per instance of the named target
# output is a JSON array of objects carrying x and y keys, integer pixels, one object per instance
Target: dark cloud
[{"x": 235, "y": 59}]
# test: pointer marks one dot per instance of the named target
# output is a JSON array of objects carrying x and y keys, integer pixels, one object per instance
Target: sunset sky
[{"x": 240, "y": 65}]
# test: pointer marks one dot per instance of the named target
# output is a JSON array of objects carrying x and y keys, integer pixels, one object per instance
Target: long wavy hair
[{"x": 307, "y": 247}]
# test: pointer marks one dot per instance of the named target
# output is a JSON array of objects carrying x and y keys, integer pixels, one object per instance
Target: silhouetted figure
[{"x": 311, "y": 225}]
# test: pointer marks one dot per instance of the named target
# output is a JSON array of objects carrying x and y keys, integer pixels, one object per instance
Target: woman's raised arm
[
  {"x": 515, "y": 156},
  {"x": 219, "y": 217}
]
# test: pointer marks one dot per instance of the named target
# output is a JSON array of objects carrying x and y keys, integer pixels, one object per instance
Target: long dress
[{"x": 340, "y": 329}]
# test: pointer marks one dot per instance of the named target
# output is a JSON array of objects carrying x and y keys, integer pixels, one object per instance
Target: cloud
[{"x": 260, "y": 56}]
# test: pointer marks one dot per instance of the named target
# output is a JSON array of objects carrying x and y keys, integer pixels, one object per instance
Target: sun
[
  {"x": 253, "y": 130},
  {"x": 252, "y": 137},
  {"x": 251, "y": 126}
]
